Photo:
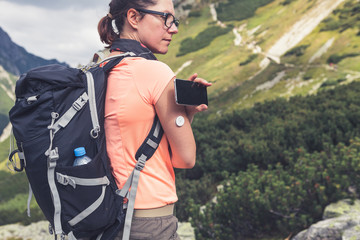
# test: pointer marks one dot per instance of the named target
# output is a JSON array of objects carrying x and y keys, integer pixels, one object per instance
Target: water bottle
[{"x": 81, "y": 158}]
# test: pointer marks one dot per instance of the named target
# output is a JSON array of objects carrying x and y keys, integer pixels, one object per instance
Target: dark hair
[{"x": 118, "y": 11}]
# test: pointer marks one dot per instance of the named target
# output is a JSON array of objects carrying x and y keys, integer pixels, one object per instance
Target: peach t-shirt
[{"x": 134, "y": 86}]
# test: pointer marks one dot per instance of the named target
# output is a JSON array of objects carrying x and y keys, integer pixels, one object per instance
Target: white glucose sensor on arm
[{"x": 179, "y": 121}]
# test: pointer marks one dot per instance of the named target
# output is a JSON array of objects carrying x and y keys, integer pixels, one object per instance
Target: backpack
[{"x": 58, "y": 109}]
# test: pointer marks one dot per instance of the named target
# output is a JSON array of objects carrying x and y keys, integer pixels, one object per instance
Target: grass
[
  {"x": 271, "y": 18},
  {"x": 219, "y": 62},
  {"x": 4, "y": 151},
  {"x": 188, "y": 28},
  {"x": 352, "y": 64},
  {"x": 5, "y": 102},
  {"x": 265, "y": 14}
]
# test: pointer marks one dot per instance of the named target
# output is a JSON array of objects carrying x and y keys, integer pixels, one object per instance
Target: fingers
[
  {"x": 201, "y": 81},
  {"x": 196, "y": 109},
  {"x": 202, "y": 107},
  {"x": 193, "y": 77}
]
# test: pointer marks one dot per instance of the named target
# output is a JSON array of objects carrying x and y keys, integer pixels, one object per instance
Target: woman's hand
[{"x": 192, "y": 110}]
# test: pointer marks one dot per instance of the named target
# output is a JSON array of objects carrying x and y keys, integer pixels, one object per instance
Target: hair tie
[{"x": 110, "y": 16}]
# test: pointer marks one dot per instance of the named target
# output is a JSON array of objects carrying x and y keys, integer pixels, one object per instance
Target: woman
[{"x": 138, "y": 88}]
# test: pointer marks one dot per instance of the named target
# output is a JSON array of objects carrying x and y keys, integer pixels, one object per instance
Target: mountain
[
  {"x": 254, "y": 51},
  {"x": 15, "y": 59}
]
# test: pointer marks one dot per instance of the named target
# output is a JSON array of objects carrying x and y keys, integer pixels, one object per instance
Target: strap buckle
[
  {"x": 80, "y": 102},
  {"x": 141, "y": 162},
  {"x": 53, "y": 157},
  {"x": 65, "y": 180}
]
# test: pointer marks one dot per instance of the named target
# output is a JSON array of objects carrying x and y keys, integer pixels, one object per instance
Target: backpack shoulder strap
[
  {"x": 151, "y": 142},
  {"x": 144, "y": 153},
  {"x": 114, "y": 60}
]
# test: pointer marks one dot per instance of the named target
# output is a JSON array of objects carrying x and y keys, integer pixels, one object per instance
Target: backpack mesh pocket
[{"x": 86, "y": 194}]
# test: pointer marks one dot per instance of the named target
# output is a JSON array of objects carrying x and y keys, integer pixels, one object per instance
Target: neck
[
  {"x": 131, "y": 45},
  {"x": 131, "y": 36}
]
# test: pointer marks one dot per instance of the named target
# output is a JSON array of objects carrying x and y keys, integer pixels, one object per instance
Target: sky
[{"x": 62, "y": 29}]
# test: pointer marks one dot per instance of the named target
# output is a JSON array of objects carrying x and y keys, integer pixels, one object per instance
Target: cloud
[
  {"x": 61, "y": 4},
  {"x": 67, "y": 33}
]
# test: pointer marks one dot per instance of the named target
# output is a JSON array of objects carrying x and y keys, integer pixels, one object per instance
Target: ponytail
[
  {"x": 105, "y": 29},
  {"x": 117, "y": 14}
]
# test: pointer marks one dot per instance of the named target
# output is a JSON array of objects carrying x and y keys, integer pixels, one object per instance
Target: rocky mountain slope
[
  {"x": 286, "y": 48},
  {"x": 7, "y": 98},
  {"x": 15, "y": 59}
]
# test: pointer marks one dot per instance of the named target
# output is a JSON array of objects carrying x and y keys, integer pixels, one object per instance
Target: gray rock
[
  {"x": 341, "y": 222},
  {"x": 341, "y": 208},
  {"x": 352, "y": 233},
  {"x": 180, "y": 12},
  {"x": 186, "y": 231},
  {"x": 34, "y": 231}
]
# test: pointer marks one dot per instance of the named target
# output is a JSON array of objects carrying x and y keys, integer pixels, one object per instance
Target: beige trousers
[{"x": 153, "y": 228}]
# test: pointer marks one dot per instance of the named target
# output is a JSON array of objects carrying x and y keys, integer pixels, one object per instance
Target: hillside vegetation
[
  {"x": 7, "y": 82},
  {"x": 279, "y": 164},
  {"x": 237, "y": 70}
]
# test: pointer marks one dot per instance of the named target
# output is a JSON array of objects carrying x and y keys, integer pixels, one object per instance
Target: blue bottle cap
[{"x": 80, "y": 151}]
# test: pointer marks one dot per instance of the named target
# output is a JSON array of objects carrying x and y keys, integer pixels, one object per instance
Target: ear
[{"x": 133, "y": 17}]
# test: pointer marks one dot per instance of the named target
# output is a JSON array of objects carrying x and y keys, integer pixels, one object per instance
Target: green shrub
[
  {"x": 203, "y": 39},
  {"x": 262, "y": 134},
  {"x": 14, "y": 211},
  {"x": 329, "y": 83},
  {"x": 336, "y": 58},
  {"x": 287, "y": 2},
  {"x": 12, "y": 184},
  {"x": 239, "y": 10},
  {"x": 271, "y": 133},
  {"x": 340, "y": 80},
  {"x": 331, "y": 25},
  {"x": 297, "y": 51},
  {"x": 192, "y": 192},
  {"x": 344, "y": 18},
  {"x": 187, "y": 7},
  {"x": 312, "y": 73},
  {"x": 195, "y": 13},
  {"x": 14, "y": 190},
  {"x": 249, "y": 59},
  {"x": 284, "y": 199}
]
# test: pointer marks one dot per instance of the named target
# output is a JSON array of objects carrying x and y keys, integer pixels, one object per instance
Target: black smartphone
[{"x": 190, "y": 93}]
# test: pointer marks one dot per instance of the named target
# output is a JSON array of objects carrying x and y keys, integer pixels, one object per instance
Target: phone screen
[{"x": 190, "y": 93}]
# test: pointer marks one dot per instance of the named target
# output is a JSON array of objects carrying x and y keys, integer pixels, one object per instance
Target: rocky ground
[
  {"x": 39, "y": 231},
  {"x": 341, "y": 220}
]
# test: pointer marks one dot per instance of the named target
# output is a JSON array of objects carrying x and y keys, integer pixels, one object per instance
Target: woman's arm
[{"x": 181, "y": 139}]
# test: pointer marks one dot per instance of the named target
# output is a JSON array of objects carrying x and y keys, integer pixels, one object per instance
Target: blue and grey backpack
[{"x": 58, "y": 109}]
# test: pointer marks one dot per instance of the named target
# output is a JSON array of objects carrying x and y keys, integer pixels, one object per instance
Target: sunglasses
[{"x": 168, "y": 17}]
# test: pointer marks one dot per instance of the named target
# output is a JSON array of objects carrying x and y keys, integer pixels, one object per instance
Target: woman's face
[{"x": 152, "y": 31}]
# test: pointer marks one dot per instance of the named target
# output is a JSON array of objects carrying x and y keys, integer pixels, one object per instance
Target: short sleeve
[{"x": 151, "y": 78}]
